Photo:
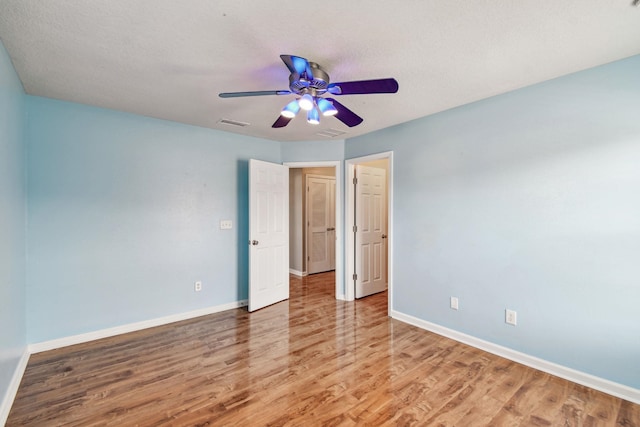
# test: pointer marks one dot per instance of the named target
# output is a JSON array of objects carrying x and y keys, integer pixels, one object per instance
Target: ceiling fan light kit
[{"x": 310, "y": 82}]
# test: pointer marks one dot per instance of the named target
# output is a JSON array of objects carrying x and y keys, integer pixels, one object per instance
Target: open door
[
  {"x": 370, "y": 234},
  {"x": 268, "y": 234}
]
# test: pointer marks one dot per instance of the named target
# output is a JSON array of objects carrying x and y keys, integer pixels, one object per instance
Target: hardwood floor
[{"x": 308, "y": 361}]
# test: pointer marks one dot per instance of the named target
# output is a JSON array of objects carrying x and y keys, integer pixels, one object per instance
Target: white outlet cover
[
  {"x": 197, "y": 286},
  {"x": 226, "y": 224},
  {"x": 511, "y": 317}
]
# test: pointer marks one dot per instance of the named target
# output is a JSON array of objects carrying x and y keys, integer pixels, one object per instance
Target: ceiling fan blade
[
  {"x": 345, "y": 115},
  {"x": 364, "y": 86},
  {"x": 297, "y": 64},
  {"x": 281, "y": 122},
  {"x": 254, "y": 93}
]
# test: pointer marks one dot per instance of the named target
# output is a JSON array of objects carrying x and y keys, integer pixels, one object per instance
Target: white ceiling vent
[
  {"x": 232, "y": 122},
  {"x": 331, "y": 133}
]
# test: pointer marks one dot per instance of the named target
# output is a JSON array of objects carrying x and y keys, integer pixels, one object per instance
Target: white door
[
  {"x": 370, "y": 237},
  {"x": 320, "y": 218},
  {"x": 332, "y": 225},
  {"x": 268, "y": 234}
]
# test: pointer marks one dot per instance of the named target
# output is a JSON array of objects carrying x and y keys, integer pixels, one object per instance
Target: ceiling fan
[{"x": 309, "y": 82}]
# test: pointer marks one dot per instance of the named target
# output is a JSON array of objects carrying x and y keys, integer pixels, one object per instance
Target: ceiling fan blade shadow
[
  {"x": 281, "y": 122},
  {"x": 253, "y": 93},
  {"x": 345, "y": 115},
  {"x": 362, "y": 87}
]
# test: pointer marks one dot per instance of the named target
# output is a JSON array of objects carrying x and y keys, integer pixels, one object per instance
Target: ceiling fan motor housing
[{"x": 316, "y": 84}]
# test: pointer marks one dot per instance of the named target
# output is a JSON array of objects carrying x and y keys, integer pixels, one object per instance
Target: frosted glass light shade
[
  {"x": 290, "y": 110},
  {"x": 313, "y": 117},
  {"x": 326, "y": 107},
  {"x": 306, "y": 102}
]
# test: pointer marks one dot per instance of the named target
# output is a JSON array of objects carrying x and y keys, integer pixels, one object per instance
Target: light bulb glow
[
  {"x": 290, "y": 110},
  {"x": 313, "y": 117},
  {"x": 326, "y": 107},
  {"x": 306, "y": 102}
]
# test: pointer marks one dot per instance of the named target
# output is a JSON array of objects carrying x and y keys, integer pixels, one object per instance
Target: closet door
[
  {"x": 332, "y": 233},
  {"x": 320, "y": 220}
]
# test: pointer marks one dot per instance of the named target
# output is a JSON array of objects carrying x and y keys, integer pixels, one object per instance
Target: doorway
[
  {"x": 381, "y": 160},
  {"x": 299, "y": 252}
]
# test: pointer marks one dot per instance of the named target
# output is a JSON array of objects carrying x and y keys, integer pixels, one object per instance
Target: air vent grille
[
  {"x": 233, "y": 122},
  {"x": 331, "y": 133}
]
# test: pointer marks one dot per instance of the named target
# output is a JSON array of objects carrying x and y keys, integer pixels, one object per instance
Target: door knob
[
  {"x": 254, "y": 242},
  {"x": 330, "y": 229},
  {"x": 384, "y": 236}
]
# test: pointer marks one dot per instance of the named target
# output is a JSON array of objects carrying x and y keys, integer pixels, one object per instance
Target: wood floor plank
[{"x": 307, "y": 361}]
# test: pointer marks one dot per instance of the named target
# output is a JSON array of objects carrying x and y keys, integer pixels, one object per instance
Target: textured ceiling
[{"x": 170, "y": 59}]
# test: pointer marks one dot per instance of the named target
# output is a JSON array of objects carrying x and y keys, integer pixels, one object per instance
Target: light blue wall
[
  {"x": 528, "y": 201},
  {"x": 12, "y": 222},
  {"x": 124, "y": 216},
  {"x": 312, "y": 151}
]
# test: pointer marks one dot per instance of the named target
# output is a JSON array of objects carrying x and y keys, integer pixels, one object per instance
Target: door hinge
[
  {"x": 355, "y": 228},
  {"x": 355, "y": 276},
  {"x": 355, "y": 180}
]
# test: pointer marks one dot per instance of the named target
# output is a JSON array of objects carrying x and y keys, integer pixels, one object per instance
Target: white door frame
[
  {"x": 349, "y": 223},
  {"x": 337, "y": 165}
]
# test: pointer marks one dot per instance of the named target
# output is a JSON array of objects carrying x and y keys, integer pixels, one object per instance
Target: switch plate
[
  {"x": 226, "y": 224},
  {"x": 511, "y": 317},
  {"x": 197, "y": 286},
  {"x": 454, "y": 303}
]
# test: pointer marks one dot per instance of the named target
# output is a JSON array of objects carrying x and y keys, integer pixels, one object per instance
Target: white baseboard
[
  {"x": 12, "y": 390},
  {"x": 297, "y": 273},
  {"x": 131, "y": 327},
  {"x": 615, "y": 389}
]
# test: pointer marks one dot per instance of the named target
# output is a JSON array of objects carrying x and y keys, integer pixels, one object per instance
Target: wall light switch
[
  {"x": 226, "y": 224},
  {"x": 454, "y": 303}
]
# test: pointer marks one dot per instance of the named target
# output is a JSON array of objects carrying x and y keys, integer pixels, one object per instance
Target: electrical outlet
[
  {"x": 454, "y": 303},
  {"x": 226, "y": 224},
  {"x": 511, "y": 317},
  {"x": 197, "y": 286}
]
